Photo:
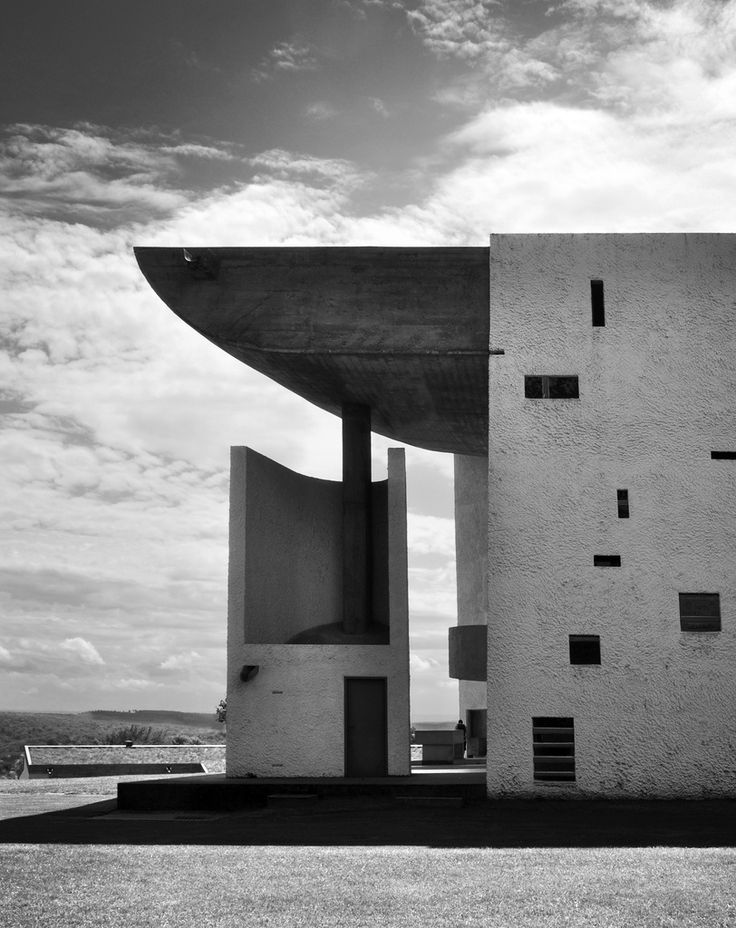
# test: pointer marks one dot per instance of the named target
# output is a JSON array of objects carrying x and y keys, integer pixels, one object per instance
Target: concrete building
[{"x": 585, "y": 384}]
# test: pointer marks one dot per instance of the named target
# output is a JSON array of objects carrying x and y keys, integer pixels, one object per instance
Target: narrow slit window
[
  {"x": 723, "y": 455},
  {"x": 623, "y": 503},
  {"x": 553, "y": 742},
  {"x": 597, "y": 303},
  {"x": 606, "y": 560},
  {"x": 551, "y": 387},
  {"x": 585, "y": 649},
  {"x": 700, "y": 612}
]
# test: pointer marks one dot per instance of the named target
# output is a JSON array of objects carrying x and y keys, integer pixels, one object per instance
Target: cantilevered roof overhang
[{"x": 402, "y": 330}]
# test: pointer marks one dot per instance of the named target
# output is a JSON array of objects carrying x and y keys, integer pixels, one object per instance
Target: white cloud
[
  {"x": 288, "y": 57},
  {"x": 83, "y": 649},
  {"x": 419, "y": 664},
  {"x": 183, "y": 661}
]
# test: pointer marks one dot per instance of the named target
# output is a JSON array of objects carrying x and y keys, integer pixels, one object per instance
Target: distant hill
[
  {"x": 156, "y": 717},
  {"x": 432, "y": 726},
  {"x": 102, "y": 727}
]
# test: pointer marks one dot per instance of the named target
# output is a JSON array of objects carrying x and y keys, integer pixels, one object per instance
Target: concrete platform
[{"x": 217, "y": 792}]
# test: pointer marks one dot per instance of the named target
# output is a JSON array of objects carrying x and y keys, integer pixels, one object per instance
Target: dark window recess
[
  {"x": 596, "y": 302},
  {"x": 723, "y": 455},
  {"x": 550, "y": 387},
  {"x": 623, "y": 503},
  {"x": 585, "y": 649},
  {"x": 700, "y": 612},
  {"x": 553, "y": 741},
  {"x": 606, "y": 560}
]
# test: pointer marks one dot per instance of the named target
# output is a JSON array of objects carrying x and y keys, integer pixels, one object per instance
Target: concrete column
[{"x": 356, "y": 517}]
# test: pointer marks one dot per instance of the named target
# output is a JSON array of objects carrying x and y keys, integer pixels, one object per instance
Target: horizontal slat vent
[{"x": 553, "y": 741}]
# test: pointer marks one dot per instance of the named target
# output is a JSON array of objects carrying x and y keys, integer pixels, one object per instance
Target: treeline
[
  {"x": 157, "y": 717},
  {"x": 19, "y": 728}
]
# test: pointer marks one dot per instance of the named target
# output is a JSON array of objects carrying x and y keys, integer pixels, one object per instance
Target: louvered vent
[{"x": 554, "y": 748}]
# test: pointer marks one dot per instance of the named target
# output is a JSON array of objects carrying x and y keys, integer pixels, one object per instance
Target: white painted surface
[
  {"x": 657, "y": 394},
  {"x": 289, "y": 719}
]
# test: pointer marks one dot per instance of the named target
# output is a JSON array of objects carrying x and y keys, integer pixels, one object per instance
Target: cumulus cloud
[
  {"x": 83, "y": 649},
  {"x": 184, "y": 661}
]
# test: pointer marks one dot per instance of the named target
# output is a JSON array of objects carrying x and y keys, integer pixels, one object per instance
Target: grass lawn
[
  {"x": 89, "y": 885},
  {"x": 124, "y": 883}
]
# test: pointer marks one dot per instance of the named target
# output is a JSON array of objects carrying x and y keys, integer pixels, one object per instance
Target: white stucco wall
[
  {"x": 289, "y": 719},
  {"x": 657, "y": 394}
]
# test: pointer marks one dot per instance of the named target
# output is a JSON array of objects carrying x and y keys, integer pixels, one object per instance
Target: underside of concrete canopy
[{"x": 402, "y": 331}]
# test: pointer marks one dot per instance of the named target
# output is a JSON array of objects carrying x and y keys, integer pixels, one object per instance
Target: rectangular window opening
[
  {"x": 623, "y": 503},
  {"x": 551, "y": 387},
  {"x": 606, "y": 560},
  {"x": 597, "y": 303},
  {"x": 700, "y": 612},
  {"x": 585, "y": 649},
  {"x": 553, "y": 743},
  {"x": 723, "y": 455}
]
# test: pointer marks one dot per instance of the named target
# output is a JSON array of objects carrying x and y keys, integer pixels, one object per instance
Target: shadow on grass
[{"x": 361, "y": 822}]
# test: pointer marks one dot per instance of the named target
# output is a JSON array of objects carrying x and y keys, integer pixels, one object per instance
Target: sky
[{"x": 278, "y": 122}]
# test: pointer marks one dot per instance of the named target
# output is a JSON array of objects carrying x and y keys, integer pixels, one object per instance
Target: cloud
[
  {"x": 97, "y": 174},
  {"x": 419, "y": 664},
  {"x": 86, "y": 651},
  {"x": 184, "y": 661},
  {"x": 287, "y": 57},
  {"x": 321, "y": 111}
]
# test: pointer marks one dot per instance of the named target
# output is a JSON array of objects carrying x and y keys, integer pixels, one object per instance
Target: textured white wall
[
  {"x": 657, "y": 392},
  {"x": 289, "y": 719}
]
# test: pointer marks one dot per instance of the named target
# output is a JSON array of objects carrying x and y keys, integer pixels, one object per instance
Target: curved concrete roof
[{"x": 402, "y": 330}]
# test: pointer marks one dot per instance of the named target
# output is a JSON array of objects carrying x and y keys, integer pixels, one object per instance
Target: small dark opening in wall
[
  {"x": 597, "y": 303},
  {"x": 606, "y": 560},
  {"x": 623, "y": 503},
  {"x": 700, "y": 612},
  {"x": 552, "y": 387},
  {"x": 723, "y": 455},
  {"x": 585, "y": 649}
]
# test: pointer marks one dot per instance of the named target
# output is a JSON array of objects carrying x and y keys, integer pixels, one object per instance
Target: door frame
[{"x": 354, "y": 676}]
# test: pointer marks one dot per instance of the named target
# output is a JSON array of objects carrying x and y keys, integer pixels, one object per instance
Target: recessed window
[
  {"x": 553, "y": 742},
  {"x": 723, "y": 455},
  {"x": 550, "y": 387},
  {"x": 585, "y": 649},
  {"x": 596, "y": 302},
  {"x": 700, "y": 612},
  {"x": 606, "y": 560},
  {"x": 622, "y": 497}
]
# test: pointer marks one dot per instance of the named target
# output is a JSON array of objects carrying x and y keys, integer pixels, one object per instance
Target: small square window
[
  {"x": 700, "y": 612},
  {"x": 551, "y": 387},
  {"x": 623, "y": 503},
  {"x": 606, "y": 560},
  {"x": 585, "y": 649}
]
